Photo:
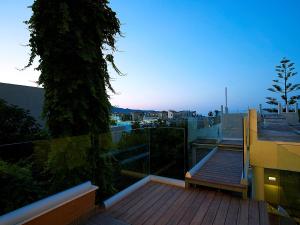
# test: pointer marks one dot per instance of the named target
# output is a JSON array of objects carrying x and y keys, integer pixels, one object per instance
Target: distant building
[
  {"x": 171, "y": 114},
  {"x": 137, "y": 116},
  {"x": 163, "y": 115},
  {"x": 26, "y": 97},
  {"x": 186, "y": 114}
]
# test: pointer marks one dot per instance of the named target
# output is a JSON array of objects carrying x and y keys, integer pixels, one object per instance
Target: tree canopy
[
  {"x": 17, "y": 125},
  {"x": 75, "y": 41},
  {"x": 285, "y": 71}
]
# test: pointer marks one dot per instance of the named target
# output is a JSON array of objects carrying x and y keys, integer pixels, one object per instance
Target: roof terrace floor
[
  {"x": 156, "y": 203},
  {"x": 279, "y": 132}
]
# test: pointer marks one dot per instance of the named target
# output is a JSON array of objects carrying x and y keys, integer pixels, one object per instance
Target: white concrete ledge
[
  {"x": 166, "y": 180},
  {"x": 122, "y": 194},
  {"x": 192, "y": 172},
  {"x": 45, "y": 205}
]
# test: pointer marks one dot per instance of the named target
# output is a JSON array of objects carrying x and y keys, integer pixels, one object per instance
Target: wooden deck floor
[
  {"x": 156, "y": 203},
  {"x": 223, "y": 170}
]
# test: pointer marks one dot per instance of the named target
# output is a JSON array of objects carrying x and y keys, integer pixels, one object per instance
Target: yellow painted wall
[{"x": 272, "y": 154}]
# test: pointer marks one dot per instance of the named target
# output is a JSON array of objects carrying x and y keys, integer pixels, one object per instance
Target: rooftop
[{"x": 278, "y": 129}]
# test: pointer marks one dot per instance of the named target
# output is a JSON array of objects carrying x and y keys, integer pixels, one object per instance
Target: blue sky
[{"x": 180, "y": 54}]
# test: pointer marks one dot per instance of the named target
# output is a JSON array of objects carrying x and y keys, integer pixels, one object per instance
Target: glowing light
[{"x": 272, "y": 178}]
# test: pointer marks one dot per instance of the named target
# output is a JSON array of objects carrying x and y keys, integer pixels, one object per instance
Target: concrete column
[
  {"x": 296, "y": 107},
  {"x": 222, "y": 110},
  {"x": 279, "y": 107},
  {"x": 258, "y": 191},
  {"x": 287, "y": 108},
  {"x": 226, "y": 110},
  {"x": 253, "y": 125},
  {"x": 260, "y": 109},
  {"x": 194, "y": 156}
]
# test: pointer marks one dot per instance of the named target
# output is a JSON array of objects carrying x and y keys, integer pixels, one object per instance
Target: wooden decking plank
[
  {"x": 243, "y": 213},
  {"x": 142, "y": 210},
  {"x": 217, "y": 171},
  {"x": 263, "y": 214},
  {"x": 166, "y": 204},
  {"x": 213, "y": 210},
  {"x": 192, "y": 210},
  {"x": 102, "y": 219},
  {"x": 253, "y": 213},
  {"x": 233, "y": 211},
  {"x": 180, "y": 211},
  {"x": 203, "y": 209},
  {"x": 135, "y": 199},
  {"x": 222, "y": 170},
  {"x": 204, "y": 182},
  {"x": 216, "y": 179},
  {"x": 144, "y": 201},
  {"x": 222, "y": 212},
  {"x": 220, "y": 177},
  {"x": 157, "y": 206},
  {"x": 130, "y": 197},
  {"x": 165, "y": 207},
  {"x": 169, "y": 213}
]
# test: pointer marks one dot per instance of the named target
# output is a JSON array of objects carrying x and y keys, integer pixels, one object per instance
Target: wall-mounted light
[{"x": 272, "y": 178}]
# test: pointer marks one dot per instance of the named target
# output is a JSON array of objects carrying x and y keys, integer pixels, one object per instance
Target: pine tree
[{"x": 285, "y": 71}]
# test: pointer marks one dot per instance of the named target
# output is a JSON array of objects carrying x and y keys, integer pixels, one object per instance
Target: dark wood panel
[
  {"x": 135, "y": 208},
  {"x": 233, "y": 211},
  {"x": 146, "y": 215},
  {"x": 144, "y": 206},
  {"x": 222, "y": 212},
  {"x": 213, "y": 210},
  {"x": 165, "y": 207},
  {"x": 243, "y": 213},
  {"x": 189, "y": 215},
  {"x": 203, "y": 209},
  {"x": 253, "y": 213}
]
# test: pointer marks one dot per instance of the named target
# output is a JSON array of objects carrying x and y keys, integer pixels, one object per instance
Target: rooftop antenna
[{"x": 226, "y": 106}]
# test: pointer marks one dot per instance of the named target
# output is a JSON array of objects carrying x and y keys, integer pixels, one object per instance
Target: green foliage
[
  {"x": 136, "y": 125},
  {"x": 75, "y": 41},
  {"x": 17, "y": 125},
  {"x": 72, "y": 160},
  {"x": 285, "y": 71},
  {"x": 113, "y": 122},
  {"x": 18, "y": 187}
]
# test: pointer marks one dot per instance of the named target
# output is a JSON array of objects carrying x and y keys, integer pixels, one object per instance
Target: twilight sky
[{"x": 180, "y": 54}]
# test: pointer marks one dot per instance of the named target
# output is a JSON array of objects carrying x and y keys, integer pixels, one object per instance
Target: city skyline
[{"x": 180, "y": 56}]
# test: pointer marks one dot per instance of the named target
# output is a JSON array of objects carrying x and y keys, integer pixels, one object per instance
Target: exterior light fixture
[{"x": 272, "y": 178}]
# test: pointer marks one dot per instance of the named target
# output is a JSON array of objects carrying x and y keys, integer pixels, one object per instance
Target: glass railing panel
[
  {"x": 129, "y": 157},
  {"x": 112, "y": 161},
  {"x": 167, "y": 152},
  {"x": 197, "y": 152}
]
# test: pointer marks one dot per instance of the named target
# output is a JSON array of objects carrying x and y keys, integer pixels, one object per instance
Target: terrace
[
  {"x": 160, "y": 177},
  {"x": 159, "y": 203}
]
